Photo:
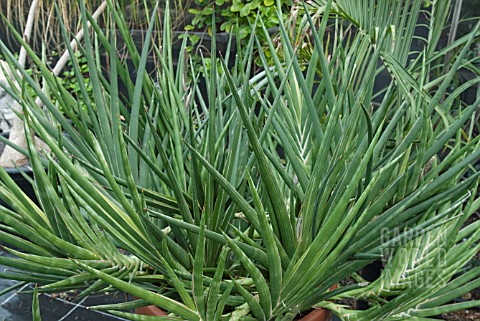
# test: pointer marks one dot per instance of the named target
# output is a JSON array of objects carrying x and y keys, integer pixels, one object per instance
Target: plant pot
[
  {"x": 317, "y": 315},
  {"x": 151, "y": 310},
  {"x": 314, "y": 315}
]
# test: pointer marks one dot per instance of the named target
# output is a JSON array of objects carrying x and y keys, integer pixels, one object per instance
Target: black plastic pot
[
  {"x": 222, "y": 41},
  {"x": 22, "y": 182},
  {"x": 370, "y": 273}
]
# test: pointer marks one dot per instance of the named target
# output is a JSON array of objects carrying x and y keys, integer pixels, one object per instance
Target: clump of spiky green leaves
[{"x": 254, "y": 198}]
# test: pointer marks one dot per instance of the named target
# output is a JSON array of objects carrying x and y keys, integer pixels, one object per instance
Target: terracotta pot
[
  {"x": 315, "y": 315},
  {"x": 150, "y": 310},
  {"x": 319, "y": 314}
]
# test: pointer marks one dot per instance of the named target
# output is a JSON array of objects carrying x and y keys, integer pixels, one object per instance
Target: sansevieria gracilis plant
[{"x": 251, "y": 200}]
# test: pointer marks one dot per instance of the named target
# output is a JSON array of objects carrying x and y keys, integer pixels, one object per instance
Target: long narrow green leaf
[
  {"x": 255, "y": 253},
  {"x": 252, "y": 302},
  {"x": 275, "y": 265},
  {"x": 36, "y": 306},
  {"x": 153, "y": 298},
  {"x": 260, "y": 282},
  {"x": 198, "y": 263},
  {"x": 279, "y": 213},
  {"x": 137, "y": 95},
  {"x": 214, "y": 305}
]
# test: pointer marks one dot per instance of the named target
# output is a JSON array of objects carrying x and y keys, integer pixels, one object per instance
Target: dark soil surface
[{"x": 465, "y": 315}]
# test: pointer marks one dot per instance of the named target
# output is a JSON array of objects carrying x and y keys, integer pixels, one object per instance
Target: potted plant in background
[
  {"x": 235, "y": 18},
  {"x": 289, "y": 182}
]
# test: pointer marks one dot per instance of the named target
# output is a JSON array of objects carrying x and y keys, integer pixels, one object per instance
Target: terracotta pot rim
[
  {"x": 314, "y": 315},
  {"x": 317, "y": 314},
  {"x": 150, "y": 310}
]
